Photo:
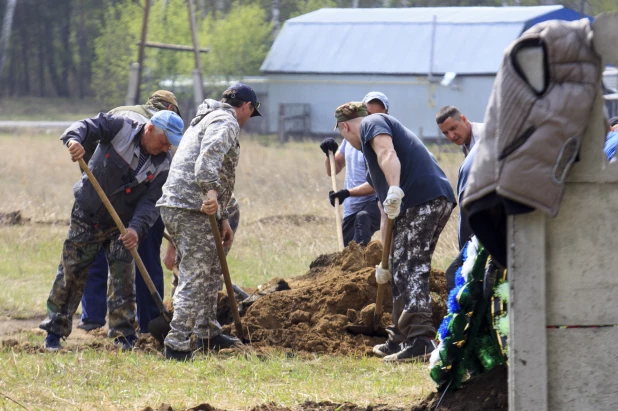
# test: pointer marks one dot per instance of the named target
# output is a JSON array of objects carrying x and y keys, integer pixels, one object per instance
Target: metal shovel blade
[
  {"x": 159, "y": 328},
  {"x": 366, "y": 330}
]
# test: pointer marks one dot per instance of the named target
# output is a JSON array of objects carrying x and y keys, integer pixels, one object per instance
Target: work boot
[
  {"x": 52, "y": 342},
  {"x": 388, "y": 348},
  {"x": 88, "y": 326},
  {"x": 418, "y": 349},
  {"x": 217, "y": 343},
  {"x": 125, "y": 343},
  {"x": 171, "y": 354}
]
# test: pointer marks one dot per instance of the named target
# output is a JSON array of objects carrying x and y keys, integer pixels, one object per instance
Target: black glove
[
  {"x": 341, "y": 195},
  {"x": 329, "y": 144}
]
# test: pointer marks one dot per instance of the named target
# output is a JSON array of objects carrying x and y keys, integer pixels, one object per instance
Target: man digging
[
  {"x": 94, "y": 299},
  {"x": 409, "y": 182},
  {"x": 201, "y": 180},
  {"x": 361, "y": 215},
  {"x": 131, "y": 163}
]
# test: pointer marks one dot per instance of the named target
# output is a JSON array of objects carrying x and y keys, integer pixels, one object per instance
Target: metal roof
[{"x": 466, "y": 40}]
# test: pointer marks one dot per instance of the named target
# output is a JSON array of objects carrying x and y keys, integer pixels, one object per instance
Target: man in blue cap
[
  {"x": 94, "y": 299},
  {"x": 200, "y": 182},
  {"x": 131, "y": 163},
  {"x": 361, "y": 211}
]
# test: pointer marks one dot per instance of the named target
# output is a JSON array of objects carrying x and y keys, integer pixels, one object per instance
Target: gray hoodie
[{"x": 206, "y": 159}]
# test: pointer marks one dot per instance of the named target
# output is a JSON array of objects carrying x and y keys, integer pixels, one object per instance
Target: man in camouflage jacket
[{"x": 201, "y": 181}]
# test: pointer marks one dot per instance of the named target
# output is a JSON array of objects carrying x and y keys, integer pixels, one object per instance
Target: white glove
[
  {"x": 392, "y": 203},
  {"x": 382, "y": 275}
]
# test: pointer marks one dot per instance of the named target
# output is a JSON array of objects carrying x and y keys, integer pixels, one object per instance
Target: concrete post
[
  {"x": 134, "y": 73},
  {"x": 563, "y": 282}
]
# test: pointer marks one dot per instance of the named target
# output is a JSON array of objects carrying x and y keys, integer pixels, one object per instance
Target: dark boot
[
  {"x": 217, "y": 343},
  {"x": 171, "y": 354}
]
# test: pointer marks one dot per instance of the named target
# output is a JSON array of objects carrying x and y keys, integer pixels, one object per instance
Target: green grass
[{"x": 99, "y": 380}]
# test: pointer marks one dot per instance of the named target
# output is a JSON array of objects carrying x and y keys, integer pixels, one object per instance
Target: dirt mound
[
  {"x": 338, "y": 290},
  {"x": 486, "y": 392},
  {"x": 306, "y": 406}
]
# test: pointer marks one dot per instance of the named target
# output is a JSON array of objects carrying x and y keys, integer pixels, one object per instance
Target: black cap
[
  {"x": 613, "y": 121},
  {"x": 243, "y": 92}
]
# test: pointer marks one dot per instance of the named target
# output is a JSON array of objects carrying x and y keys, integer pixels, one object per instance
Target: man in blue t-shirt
[
  {"x": 414, "y": 192},
  {"x": 361, "y": 215}
]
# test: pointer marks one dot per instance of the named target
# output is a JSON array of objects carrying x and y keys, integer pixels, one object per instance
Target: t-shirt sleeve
[
  {"x": 342, "y": 147},
  {"x": 373, "y": 126}
]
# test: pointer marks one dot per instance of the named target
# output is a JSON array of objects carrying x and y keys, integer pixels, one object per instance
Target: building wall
[{"x": 414, "y": 101}]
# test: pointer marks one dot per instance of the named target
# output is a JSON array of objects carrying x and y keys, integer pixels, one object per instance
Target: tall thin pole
[
  {"x": 140, "y": 56},
  {"x": 6, "y": 31},
  {"x": 198, "y": 89}
]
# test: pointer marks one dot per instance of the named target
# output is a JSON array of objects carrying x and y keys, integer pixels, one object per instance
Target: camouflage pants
[
  {"x": 82, "y": 244},
  {"x": 234, "y": 220},
  {"x": 415, "y": 236},
  {"x": 199, "y": 277}
]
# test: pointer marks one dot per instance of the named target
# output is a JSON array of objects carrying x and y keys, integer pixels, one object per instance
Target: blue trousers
[{"x": 94, "y": 300}]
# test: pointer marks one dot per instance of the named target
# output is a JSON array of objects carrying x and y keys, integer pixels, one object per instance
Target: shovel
[
  {"x": 229, "y": 287},
  {"x": 375, "y": 329},
  {"x": 165, "y": 318},
  {"x": 333, "y": 178}
]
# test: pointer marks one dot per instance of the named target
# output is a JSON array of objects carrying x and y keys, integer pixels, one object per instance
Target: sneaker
[
  {"x": 52, "y": 342},
  {"x": 171, "y": 354},
  {"x": 125, "y": 343},
  {"x": 419, "y": 348},
  {"x": 218, "y": 342},
  {"x": 88, "y": 326},
  {"x": 388, "y": 348}
]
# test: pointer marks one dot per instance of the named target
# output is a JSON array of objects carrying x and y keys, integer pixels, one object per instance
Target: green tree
[
  {"x": 114, "y": 50},
  {"x": 238, "y": 41},
  {"x": 312, "y": 5}
]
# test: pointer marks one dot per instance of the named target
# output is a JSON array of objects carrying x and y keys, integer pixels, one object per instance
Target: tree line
[{"x": 84, "y": 48}]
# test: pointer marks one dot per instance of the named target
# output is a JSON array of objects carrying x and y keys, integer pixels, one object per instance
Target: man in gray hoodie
[{"x": 201, "y": 181}]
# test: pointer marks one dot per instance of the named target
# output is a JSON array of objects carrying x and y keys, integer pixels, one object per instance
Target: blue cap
[
  {"x": 376, "y": 95},
  {"x": 243, "y": 92},
  {"x": 171, "y": 123}
]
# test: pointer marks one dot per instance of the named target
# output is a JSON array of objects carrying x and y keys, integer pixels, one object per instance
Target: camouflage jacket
[{"x": 205, "y": 160}]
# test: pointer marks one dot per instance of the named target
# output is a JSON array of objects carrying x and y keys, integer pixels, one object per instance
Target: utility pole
[
  {"x": 198, "y": 87},
  {"x": 276, "y": 9},
  {"x": 6, "y": 31},
  {"x": 140, "y": 56}
]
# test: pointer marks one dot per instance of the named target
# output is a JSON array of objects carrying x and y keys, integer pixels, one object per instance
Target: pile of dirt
[
  {"x": 312, "y": 315},
  {"x": 486, "y": 392},
  {"x": 306, "y": 406}
]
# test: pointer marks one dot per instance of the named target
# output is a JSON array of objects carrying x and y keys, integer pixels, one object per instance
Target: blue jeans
[{"x": 94, "y": 300}]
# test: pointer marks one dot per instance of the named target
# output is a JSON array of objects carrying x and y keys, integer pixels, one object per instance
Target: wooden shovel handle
[
  {"x": 231, "y": 297},
  {"x": 381, "y": 287},
  {"x": 333, "y": 177},
  {"x": 138, "y": 261}
]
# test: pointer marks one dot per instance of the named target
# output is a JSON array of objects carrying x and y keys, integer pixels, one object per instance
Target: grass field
[{"x": 289, "y": 183}]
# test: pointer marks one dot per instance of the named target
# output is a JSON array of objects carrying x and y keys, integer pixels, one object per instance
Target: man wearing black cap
[{"x": 200, "y": 182}]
